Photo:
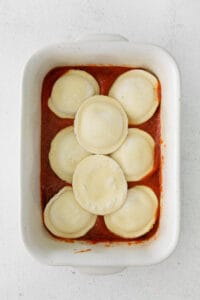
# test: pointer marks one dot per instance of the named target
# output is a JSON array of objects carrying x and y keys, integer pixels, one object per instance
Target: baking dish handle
[{"x": 106, "y": 37}]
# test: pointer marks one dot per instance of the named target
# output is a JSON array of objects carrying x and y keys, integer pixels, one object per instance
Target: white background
[{"x": 27, "y": 25}]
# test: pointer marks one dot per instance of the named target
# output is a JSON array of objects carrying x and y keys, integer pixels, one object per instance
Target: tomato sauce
[{"x": 51, "y": 124}]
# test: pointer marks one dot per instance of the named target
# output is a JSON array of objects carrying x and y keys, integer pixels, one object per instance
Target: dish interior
[{"x": 51, "y": 124}]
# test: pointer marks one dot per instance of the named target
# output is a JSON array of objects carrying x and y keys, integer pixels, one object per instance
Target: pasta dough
[
  {"x": 137, "y": 216},
  {"x": 101, "y": 125},
  {"x": 64, "y": 217},
  {"x": 99, "y": 184},
  {"x": 136, "y": 90},
  {"x": 136, "y": 154},
  {"x": 65, "y": 153},
  {"x": 70, "y": 90}
]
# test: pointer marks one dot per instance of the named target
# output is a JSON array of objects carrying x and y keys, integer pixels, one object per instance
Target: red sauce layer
[{"x": 51, "y": 124}]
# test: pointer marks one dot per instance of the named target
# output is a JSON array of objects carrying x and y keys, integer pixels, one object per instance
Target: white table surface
[{"x": 26, "y": 25}]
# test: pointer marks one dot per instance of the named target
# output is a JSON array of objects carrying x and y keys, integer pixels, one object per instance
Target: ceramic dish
[{"x": 103, "y": 50}]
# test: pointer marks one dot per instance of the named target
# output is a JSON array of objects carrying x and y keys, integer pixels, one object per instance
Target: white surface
[
  {"x": 117, "y": 53},
  {"x": 26, "y": 25}
]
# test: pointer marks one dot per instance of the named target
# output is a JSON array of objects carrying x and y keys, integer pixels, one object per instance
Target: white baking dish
[{"x": 105, "y": 50}]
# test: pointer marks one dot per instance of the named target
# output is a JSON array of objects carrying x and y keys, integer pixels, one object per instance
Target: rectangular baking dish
[{"x": 103, "y": 50}]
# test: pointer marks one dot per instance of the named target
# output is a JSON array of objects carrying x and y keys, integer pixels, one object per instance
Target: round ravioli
[
  {"x": 137, "y": 216},
  {"x": 136, "y": 90},
  {"x": 65, "y": 153},
  {"x": 101, "y": 125},
  {"x": 99, "y": 184},
  {"x": 136, "y": 155},
  {"x": 64, "y": 217},
  {"x": 70, "y": 90}
]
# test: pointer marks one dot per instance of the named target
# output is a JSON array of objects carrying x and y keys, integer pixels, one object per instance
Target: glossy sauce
[{"x": 51, "y": 124}]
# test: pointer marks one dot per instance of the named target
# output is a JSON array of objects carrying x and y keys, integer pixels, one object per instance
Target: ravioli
[
  {"x": 136, "y": 90},
  {"x": 99, "y": 184},
  {"x": 137, "y": 216},
  {"x": 70, "y": 90},
  {"x": 136, "y": 155},
  {"x": 101, "y": 125},
  {"x": 65, "y": 153},
  {"x": 65, "y": 218}
]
